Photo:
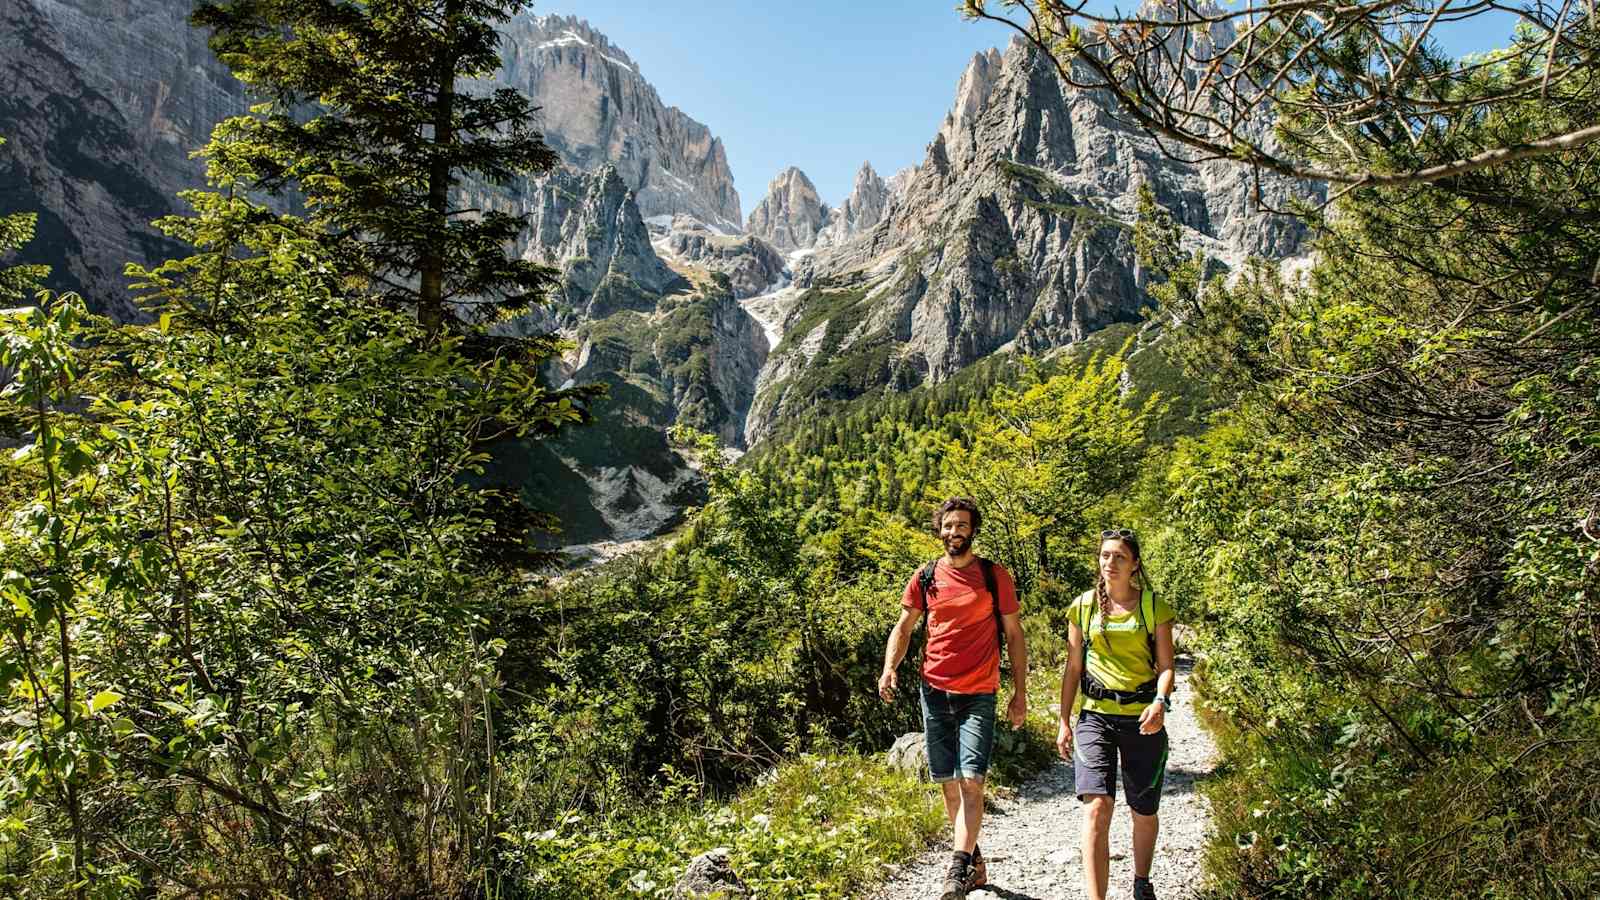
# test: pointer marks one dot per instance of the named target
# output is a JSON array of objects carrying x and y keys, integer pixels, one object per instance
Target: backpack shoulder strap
[
  {"x": 925, "y": 581},
  {"x": 1085, "y": 619},
  {"x": 1147, "y": 615},
  {"x": 991, "y": 585}
]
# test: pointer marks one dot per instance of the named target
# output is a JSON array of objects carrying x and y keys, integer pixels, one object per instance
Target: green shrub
[{"x": 817, "y": 826}]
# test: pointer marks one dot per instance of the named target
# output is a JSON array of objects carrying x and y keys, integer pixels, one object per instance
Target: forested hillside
[{"x": 277, "y": 623}]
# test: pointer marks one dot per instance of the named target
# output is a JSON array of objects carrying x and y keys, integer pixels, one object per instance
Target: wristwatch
[{"x": 1166, "y": 702}]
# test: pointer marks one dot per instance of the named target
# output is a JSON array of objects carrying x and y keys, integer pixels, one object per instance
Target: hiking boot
[
  {"x": 978, "y": 872},
  {"x": 955, "y": 880},
  {"x": 1143, "y": 889}
]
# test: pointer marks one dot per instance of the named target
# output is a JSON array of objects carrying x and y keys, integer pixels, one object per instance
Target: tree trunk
[{"x": 430, "y": 301}]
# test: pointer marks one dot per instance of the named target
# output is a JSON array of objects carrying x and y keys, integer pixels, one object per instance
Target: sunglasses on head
[{"x": 1120, "y": 534}]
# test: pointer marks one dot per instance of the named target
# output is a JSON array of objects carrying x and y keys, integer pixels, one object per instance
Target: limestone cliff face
[
  {"x": 697, "y": 350},
  {"x": 135, "y": 69},
  {"x": 718, "y": 398},
  {"x": 157, "y": 71},
  {"x": 678, "y": 334},
  {"x": 74, "y": 159},
  {"x": 973, "y": 91},
  {"x": 588, "y": 225},
  {"x": 790, "y": 215},
  {"x": 1015, "y": 233},
  {"x": 597, "y": 108},
  {"x": 693, "y": 360}
]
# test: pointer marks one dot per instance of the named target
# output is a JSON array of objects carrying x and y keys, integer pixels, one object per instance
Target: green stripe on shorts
[{"x": 1161, "y": 767}]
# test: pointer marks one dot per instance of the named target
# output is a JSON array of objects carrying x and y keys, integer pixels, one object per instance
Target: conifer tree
[{"x": 365, "y": 114}]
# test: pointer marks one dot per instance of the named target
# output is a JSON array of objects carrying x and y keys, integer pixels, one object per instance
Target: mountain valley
[{"x": 1012, "y": 236}]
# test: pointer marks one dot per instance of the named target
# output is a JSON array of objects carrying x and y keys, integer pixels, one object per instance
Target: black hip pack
[{"x": 1094, "y": 690}]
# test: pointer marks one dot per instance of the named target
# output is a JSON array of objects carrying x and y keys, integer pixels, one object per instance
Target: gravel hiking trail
[{"x": 1031, "y": 839}]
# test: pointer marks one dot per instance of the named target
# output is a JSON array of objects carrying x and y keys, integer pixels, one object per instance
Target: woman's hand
[
  {"x": 1064, "y": 740},
  {"x": 1153, "y": 717}
]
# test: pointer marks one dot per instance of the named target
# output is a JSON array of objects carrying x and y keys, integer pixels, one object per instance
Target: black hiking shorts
[{"x": 1101, "y": 742}]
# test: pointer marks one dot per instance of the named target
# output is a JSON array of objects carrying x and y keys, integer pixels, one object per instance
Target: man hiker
[{"x": 965, "y": 603}]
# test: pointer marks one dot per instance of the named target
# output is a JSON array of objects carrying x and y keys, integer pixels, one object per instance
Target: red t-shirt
[{"x": 962, "y": 655}]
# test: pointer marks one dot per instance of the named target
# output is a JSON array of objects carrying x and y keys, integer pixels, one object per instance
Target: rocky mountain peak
[
  {"x": 864, "y": 208},
  {"x": 570, "y": 31},
  {"x": 587, "y": 224},
  {"x": 138, "y": 69},
  {"x": 973, "y": 92},
  {"x": 750, "y": 263},
  {"x": 897, "y": 182},
  {"x": 1014, "y": 234},
  {"x": 791, "y": 214}
]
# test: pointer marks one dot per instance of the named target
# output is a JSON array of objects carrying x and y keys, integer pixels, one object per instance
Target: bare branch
[{"x": 1361, "y": 97}]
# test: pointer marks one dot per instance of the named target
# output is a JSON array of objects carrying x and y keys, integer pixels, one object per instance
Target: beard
[{"x": 957, "y": 545}]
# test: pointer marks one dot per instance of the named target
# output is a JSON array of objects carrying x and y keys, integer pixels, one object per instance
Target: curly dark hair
[{"x": 955, "y": 503}]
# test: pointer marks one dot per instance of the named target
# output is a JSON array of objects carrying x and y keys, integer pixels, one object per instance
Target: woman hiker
[{"x": 1120, "y": 656}]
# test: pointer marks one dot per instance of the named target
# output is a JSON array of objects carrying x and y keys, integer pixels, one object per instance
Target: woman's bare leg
[
  {"x": 1096, "y": 845},
  {"x": 1144, "y": 842}
]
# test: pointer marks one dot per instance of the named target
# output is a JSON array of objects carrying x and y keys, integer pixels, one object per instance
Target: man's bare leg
[
  {"x": 966, "y": 825},
  {"x": 952, "y": 802},
  {"x": 1096, "y": 845}
]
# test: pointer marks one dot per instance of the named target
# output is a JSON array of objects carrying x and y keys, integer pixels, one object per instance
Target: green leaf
[{"x": 103, "y": 700}]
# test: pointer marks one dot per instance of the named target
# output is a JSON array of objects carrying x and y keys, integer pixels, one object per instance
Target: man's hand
[
  {"x": 1064, "y": 740},
  {"x": 1151, "y": 719},
  {"x": 1017, "y": 709},
  {"x": 887, "y": 682}
]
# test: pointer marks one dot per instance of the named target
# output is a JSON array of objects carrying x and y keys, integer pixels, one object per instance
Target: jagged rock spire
[
  {"x": 791, "y": 215},
  {"x": 864, "y": 208}
]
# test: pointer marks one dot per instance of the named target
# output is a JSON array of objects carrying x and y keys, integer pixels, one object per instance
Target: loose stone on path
[{"x": 1031, "y": 840}]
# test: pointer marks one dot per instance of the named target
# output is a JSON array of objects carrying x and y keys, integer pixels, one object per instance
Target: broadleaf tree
[{"x": 282, "y": 559}]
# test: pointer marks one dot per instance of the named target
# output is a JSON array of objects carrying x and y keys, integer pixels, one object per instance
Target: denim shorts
[{"x": 959, "y": 729}]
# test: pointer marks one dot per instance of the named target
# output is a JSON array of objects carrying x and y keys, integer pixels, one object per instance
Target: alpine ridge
[
  {"x": 138, "y": 69},
  {"x": 864, "y": 208},
  {"x": 596, "y": 108},
  {"x": 1014, "y": 234}
]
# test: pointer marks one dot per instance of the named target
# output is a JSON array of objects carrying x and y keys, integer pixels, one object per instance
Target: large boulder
[
  {"x": 910, "y": 755},
  {"x": 710, "y": 875}
]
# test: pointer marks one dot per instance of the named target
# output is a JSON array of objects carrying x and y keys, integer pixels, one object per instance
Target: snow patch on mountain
[{"x": 771, "y": 308}]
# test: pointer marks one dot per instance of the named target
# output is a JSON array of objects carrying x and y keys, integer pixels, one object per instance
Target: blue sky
[{"x": 819, "y": 84}]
